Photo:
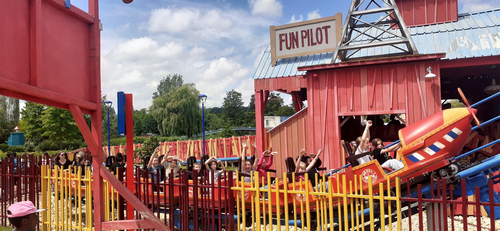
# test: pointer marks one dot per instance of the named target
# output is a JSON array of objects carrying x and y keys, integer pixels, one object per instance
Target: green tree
[
  {"x": 248, "y": 119},
  {"x": 286, "y": 110},
  {"x": 144, "y": 123},
  {"x": 455, "y": 103},
  {"x": 31, "y": 121},
  {"x": 233, "y": 107},
  {"x": 214, "y": 122},
  {"x": 178, "y": 112},
  {"x": 113, "y": 120},
  {"x": 251, "y": 105},
  {"x": 167, "y": 84},
  {"x": 9, "y": 116},
  {"x": 58, "y": 125},
  {"x": 147, "y": 148}
]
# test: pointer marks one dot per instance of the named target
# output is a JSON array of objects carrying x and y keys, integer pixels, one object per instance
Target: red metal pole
[
  {"x": 478, "y": 209},
  {"x": 464, "y": 204},
  {"x": 129, "y": 130},
  {"x": 420, "y": 202},
  {"x": 492, "y": 205},
  {"x": 452, "y": 209},
  {"x": 445, "y": 204}
]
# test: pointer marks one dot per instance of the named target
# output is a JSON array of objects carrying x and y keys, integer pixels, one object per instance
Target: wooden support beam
[
  {"x": 135, "y": 202},
  {"x": 127, "y": 224}
]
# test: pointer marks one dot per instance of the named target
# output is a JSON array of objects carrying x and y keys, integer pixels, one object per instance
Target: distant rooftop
[{"x": 475, "y": 34}]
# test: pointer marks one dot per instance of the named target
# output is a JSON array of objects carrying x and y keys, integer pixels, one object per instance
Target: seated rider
[
  {"x": 384, "y": 159},
  {"x": 363, "y": 144}
]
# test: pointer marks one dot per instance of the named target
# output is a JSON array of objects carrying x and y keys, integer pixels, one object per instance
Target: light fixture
[
  {"x": 493, "y": 88},
  {"x": 108, "y": 103},
  {"x": 430, "y": 75},
  {"x": 203, "y": 98}
]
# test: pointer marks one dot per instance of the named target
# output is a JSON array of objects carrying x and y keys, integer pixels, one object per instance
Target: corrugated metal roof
[{"x": 475, "y": 34}]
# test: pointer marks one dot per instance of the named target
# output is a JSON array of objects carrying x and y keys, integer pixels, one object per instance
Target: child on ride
[
  {"x": 310, "y": 166},
  {"x": 381, "y": 155},
  {"x": 363, "y": 144},
  {"x": 212, "y": 164},
  {"x": 247, "y": 166},
  {"x": 263, "y": 166},
  {"x": 172, "y": 165}
]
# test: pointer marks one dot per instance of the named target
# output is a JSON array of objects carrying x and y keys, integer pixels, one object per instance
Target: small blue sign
[{"x": 121, "y": 113}]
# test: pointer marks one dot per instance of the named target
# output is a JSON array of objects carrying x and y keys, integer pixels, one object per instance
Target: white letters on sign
[{"x": 304, "y": 38}]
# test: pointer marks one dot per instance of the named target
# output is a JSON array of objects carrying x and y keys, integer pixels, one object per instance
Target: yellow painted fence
[
  {"x": 296, "y": 205},
  {"x": 67, "y": 198}
]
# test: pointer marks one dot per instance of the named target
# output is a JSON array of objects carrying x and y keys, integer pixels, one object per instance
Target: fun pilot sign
[{"x": 305, "y": 38}]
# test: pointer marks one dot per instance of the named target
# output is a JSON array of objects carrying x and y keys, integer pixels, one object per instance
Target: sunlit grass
[{"x": 5, "y": 228}]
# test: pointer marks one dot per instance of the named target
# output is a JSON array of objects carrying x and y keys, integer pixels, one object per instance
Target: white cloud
[
  {"x": 268, "y": 8},
  {"x": 211, "y": 46},
  {"x": 172, "y": 20},
  {"x": 293, "y": 19},
  {"x": 477, "y": 5},
  {"x": 313, "y": 15}
]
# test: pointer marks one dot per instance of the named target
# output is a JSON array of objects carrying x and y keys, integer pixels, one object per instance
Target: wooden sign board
[{"x": 305, "y": 38}]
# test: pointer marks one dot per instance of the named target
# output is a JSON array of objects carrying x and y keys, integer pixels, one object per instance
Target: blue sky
[{"x": 212, "y": 43}]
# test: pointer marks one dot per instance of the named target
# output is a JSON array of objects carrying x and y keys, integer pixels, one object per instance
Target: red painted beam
[
  {"x": 391, "y": 60},
  {"x": 371, "y": 113},
  {"x": 134, "y": 201},
  {"x": 35, "y": 41},
  {"x": 479, "y": 61},
  {"x": 26, "y": 89},
  {"x": 128, "y": 224},
  {"x": 84, "y": 129},
  {"x": 129, "y": 120}
]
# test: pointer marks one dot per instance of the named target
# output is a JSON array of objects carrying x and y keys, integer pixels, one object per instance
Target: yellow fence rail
[
  {"x": 333, "y": 204},
  {"x": 67, "y": 197}
]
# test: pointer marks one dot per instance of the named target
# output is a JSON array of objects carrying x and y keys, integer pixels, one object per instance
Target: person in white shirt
[{"x": 363, "y": 144}]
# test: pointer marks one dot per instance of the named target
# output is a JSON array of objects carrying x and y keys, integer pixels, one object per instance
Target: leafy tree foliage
[
  {"x": 167, "y": 84},
  {"x": 251, "y": 105},
  {"x": 144, "y": 123},
  {"x": 147, "y": 148},
  {"x": 58, "y": 125},
  {"x": 31, "y": 122},
  {"x": 113, "y": 121},
  {"x": 233, "y": 107},
  {"x": 213, "y": 121},
  {"x": 178, "y": 112},
  {"x": 9, "y": 116}
]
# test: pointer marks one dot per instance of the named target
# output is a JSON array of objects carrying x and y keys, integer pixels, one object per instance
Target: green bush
[
  {"x": 227, "y": 132},
  {"x": 29, "y": 147},
  {"x": 16, "y": 149},
  {"x": 4, "y": 147},
  {"x": 47, "y": 145}
]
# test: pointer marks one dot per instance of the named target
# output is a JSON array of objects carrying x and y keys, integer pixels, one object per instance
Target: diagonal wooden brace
[{"x": 152, "y": 220}]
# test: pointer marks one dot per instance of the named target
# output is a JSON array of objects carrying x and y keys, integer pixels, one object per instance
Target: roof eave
[{"x": 385, "y": 60}]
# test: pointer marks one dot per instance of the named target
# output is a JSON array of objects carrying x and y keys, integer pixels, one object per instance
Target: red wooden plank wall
[
  {"x": 422, "y": 12},
  {"x": 372, "y": 90},
  {"x": 286, "y": 84},
  {"x": 289, "y": 138}
]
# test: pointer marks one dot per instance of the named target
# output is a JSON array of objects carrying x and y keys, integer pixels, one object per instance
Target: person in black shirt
[
  {"x": 119, "y": 163},
  {"x": 314, "y": 170},
  {"x": 62, "y": 160},
  {"x": 384, "y": 159}
]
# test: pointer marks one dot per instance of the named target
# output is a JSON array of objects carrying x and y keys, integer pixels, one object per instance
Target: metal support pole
[
  {"x": 109, "y": 137},
  {"x": 203, "y": 115}
]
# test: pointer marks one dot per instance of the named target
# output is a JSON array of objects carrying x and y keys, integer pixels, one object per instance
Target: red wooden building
[{"x": 463, "y": 51}]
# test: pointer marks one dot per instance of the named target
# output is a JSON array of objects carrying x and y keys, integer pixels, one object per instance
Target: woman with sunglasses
[{"x": 62, "y": 160}]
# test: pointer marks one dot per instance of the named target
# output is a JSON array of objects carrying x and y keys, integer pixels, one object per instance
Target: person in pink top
[{"x": 263, "y": 166}]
